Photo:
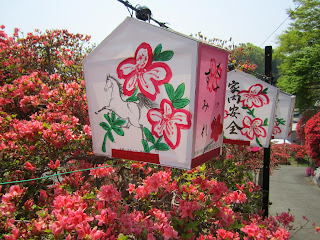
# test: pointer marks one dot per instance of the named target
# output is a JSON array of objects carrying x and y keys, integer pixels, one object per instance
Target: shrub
[{"x": 312, "y": 132}]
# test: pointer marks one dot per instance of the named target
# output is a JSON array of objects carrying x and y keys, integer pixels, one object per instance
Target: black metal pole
[{"x": 266, "y": 153}]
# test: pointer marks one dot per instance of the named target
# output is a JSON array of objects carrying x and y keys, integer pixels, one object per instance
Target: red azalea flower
[
  {"x": 168, "y": 121},
  {"x": 252, "y": 128},
  {"x": 216, "y": 127},
  {"x": 55, "y": 165},
  {"x": 30, "y": 167},
  {"x": 214, "y": 76},
  {"x": 139, "y": 70},
  {"x": 254, "y": 96}
]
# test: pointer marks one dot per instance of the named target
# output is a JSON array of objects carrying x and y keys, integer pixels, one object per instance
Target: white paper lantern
[
  {"x": 155, "y": 95},
  {"x": 249, "y": 110}
]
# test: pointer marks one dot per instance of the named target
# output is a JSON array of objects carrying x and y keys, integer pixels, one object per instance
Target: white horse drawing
[{"x": 129, "y": 111}]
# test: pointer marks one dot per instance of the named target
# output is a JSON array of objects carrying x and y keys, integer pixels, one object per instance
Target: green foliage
[
  {"x": 299, "y": 51},
  {"x": 301, "y": 76}
]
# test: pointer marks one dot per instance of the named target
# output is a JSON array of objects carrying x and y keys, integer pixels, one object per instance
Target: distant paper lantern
[
  {"x": 249, "y": 110},
  {"x": 156, "y": 96},
  {"x": 284, "y": 115}
]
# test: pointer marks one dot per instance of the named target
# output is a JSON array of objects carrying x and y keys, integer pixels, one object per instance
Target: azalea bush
[
  {"x": 302, "y": 123},
  {"x": 53, "y": 187},
  {"x": 312, "y": 132}
]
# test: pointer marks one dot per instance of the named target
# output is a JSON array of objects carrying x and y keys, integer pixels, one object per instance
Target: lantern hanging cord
[
  {"x": 128, "y": 5},
  {"x": 280, "y": 24},
  {"x": 57, "y": 174}
]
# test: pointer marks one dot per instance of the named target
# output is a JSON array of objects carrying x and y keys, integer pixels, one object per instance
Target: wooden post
[{"x": 266, "y": 156}]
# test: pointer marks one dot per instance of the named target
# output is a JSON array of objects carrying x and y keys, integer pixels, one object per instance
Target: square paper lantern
[
  {"x": 156, "y": 96},
  {"x": 284, "y": 115},
  {"x": 249, "y": 110}
]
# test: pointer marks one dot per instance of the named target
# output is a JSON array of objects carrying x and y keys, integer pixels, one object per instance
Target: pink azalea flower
[
  {"x": 187, "y": 208},
  {"x": 84, "y": 231},
  {"x": 169, "y": 233},
  {"x": 168, "y": 121},
  {"x": 254, "y": 149},
  {"x": 254, "y": 96},
  {"x": 107, "y": 216},
  {"x": 252, "y": 128},
  {"x": 108, "y": 193},
  {"x": 131, "y": 188},
  {"x": 16, "y": 191},
  {"x": 214, "y": 75},
  {"x": 139, "y": 70}
]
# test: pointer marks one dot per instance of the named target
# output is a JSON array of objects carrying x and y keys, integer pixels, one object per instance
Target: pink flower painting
[
  {"x": 216, "y": 127},
  {"x": 276, "y": 129},
  {"x": 253, "y": 128},
  {"x": 254, "y": 97},
  {"x": 214, "y": 75},
  {"x": 141, "y": 71},
  {"x": 168, "y": 121}
]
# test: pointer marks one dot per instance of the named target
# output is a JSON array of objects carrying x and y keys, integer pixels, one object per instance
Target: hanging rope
[{"x": 57, "y": 174}]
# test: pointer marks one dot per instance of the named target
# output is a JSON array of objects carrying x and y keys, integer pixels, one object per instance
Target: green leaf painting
[
  {"x": 176, "y": 96},
  {"x": 113, "y": 124},
  {"x": 164, "y": 56},
  {"x": 155, "y": 143}
]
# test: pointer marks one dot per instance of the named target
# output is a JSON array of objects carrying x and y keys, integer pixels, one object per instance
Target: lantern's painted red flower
[
  {"x": 139, "y": 70},
  {"x": 276, "y": 129},
  {"x": 216, "y": 127},
  {"x": 214, "y": 75},
  {"x": 168, "y": 121},
  {"x": 252, "y": 128},
  {"x": 254, "y": 96}
]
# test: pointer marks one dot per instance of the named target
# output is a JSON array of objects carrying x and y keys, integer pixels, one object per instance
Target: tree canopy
[{"x": 299, "y": 51}]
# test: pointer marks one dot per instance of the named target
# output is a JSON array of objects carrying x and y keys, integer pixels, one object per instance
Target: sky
[{"x": 244, "y": 21}]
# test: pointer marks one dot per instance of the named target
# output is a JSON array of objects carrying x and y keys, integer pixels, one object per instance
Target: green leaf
[
  {"x": 170, "y": 91},
  {"x": 179, "y": 92},
  {"x": 113, "y": 116},
  {"x": 119, "y": 122},
  {"x": 122, "y": 237},
  {"x": 110, "y": 136},
  {"x": 156, "y": 52},
  {"x": 105, "y": 126},
  {"x": 265, "y": 91},
  {"x": 159, "y": 140},
  {"x": 180, "y": 103},
  {"x": 106, "y": 116},
  {"x": 187, "y": 236},
  {"x": 165, "y": 56},
  {"x": 145, "y": 145},
  {"x": 265, "y": 123},
  {"x": 162, "y": 147},
  {"x": 118, "y": 131},
  {"x": 149, "y": 135},
  {"x": 133, "y": 97},
  {"x": 251, "y": 112},
  {"x": 103, "y": 148}
]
